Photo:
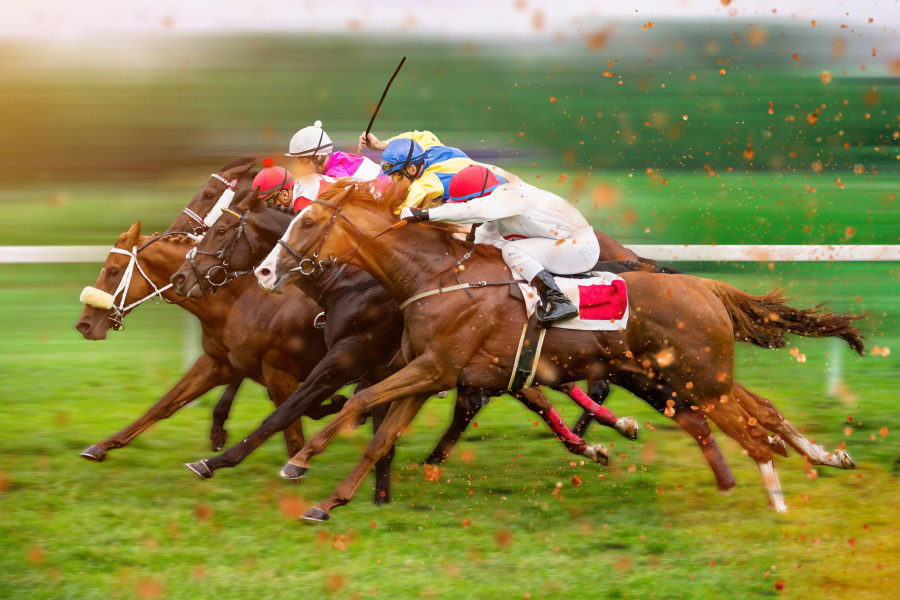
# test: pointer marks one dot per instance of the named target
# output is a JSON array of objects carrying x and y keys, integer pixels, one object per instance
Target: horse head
[
  {"x": 325, "y": 232},
  {"x": 234, "y": 244},
  {"x": 235, "y": 176},
  {"x": 99, "y": 313}
]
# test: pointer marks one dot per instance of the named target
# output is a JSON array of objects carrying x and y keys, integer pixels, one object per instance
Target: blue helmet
[{"x": 399, "y": 154}]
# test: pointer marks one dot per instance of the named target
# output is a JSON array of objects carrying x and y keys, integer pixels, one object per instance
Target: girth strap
[{"x": 451, "y": 288}]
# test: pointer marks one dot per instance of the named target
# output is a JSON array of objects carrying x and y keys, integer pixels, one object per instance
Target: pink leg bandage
[{"x": 603, "y": 415}]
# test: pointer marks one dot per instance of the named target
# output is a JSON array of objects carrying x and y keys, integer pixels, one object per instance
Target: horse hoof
[
  {"x": 94, "y": 453},
  {"x": 597, "y": 453},
  {"x": 292, "y": 471},
  {"x": 200, "y": 469},
  {"x": 315, "y": 515},
  {"x": 628, "y": 427},
  {"x": 845, "y": 460}
]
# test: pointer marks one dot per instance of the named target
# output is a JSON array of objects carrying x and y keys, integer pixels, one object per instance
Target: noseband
[{"x": 218, "y": 275}]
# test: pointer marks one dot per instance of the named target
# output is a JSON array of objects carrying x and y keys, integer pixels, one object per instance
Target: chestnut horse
[
  {"x": 680, "y": 334},
  {"x": 362, "y": 331}
]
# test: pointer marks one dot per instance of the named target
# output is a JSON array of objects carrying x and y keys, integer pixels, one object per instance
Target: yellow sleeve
[
  {"x": 426, "y": 139},
  {"x": 422, "y": 191}
]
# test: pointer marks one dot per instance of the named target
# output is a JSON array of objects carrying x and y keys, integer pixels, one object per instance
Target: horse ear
[
  {"x": 134, "y": 232},
  {"x": 248, "y": 199},
  {"x": 130, "y": 237},
  {"x": 237, "y": 168}
]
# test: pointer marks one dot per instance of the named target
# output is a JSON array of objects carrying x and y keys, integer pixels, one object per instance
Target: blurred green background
[{"x": 637, "y": 125}]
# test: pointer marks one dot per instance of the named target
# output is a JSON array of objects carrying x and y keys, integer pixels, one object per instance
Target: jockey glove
[{"x": 415, "y": 215}]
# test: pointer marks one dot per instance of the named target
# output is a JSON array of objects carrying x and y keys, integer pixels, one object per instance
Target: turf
[{"x": 506, "y": 519}]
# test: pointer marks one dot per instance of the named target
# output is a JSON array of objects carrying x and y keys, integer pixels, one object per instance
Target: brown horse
[
  {"x": 232, "y": 346},
  {"x": 362, "y": 330},
  {"x": 680, "y": 334}
]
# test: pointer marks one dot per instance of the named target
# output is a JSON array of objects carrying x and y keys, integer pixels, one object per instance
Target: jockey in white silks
[
  {"x": 313, "y": 153},
  {"x": 539, "y": 233}
]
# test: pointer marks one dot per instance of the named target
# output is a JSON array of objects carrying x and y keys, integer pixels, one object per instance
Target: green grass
[{"x": 650, "y": 525}]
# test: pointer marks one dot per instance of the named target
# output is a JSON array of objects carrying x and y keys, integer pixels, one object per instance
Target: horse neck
[
  {"x": 161, "y": 259},
  {"x": 408, "y": 260}
]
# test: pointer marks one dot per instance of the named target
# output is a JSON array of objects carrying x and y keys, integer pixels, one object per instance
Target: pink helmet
[
  {"x": 272, "y": 179},
  {"x": 474, "y": 181}
]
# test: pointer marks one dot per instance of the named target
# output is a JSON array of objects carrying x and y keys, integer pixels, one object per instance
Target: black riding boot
[{"x": 554, "y": 306}]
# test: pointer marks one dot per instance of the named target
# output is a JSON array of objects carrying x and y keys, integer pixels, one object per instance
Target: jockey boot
[{"x": 554, "y": 306}]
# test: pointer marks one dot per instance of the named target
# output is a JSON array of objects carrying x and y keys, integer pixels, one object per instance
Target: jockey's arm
[
  {"x": 422, "y": 191},
  {"x": 499, "y": 205},
  {"x": 425, "y": 138}
]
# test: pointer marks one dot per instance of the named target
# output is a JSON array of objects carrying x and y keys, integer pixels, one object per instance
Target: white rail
[{"x": 664, "y": 253}]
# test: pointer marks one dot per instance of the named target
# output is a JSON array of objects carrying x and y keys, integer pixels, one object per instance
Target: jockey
[
  {"x": 275, "y": 179},
  {"x": 419, "y": 158},
  {"x": 537, "y": 232},
  {"x": 312, "y": 150}
]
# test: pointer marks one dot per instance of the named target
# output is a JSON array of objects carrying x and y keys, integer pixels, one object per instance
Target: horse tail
[{"x": 763, "y": 320}]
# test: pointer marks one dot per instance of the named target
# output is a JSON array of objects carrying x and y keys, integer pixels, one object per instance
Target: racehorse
[
  {"x": 680, "y": 334},
  {"x": 360, "y": 313}
]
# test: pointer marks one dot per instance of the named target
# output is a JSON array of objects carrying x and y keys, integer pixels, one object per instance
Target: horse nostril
[
  {"x": 263, "y": 272},
  {"x": 177, "y": 279},
  {"x": 83, "y": 327}
]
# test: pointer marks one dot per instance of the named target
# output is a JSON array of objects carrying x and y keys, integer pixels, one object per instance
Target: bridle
[
  {"x": 223, "y": 201},
  {"x": 117, "y": 312},
  {"x": 309, "y": 266},
  {"x": 218, "y": 275}
]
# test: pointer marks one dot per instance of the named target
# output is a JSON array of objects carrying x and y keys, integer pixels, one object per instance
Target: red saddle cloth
[{"x": 602, "y": 302}]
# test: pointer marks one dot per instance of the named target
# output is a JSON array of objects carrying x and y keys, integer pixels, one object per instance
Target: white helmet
[{"x": 310, "y": 141}]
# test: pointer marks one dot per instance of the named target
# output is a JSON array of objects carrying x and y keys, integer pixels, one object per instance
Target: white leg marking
[{"x": 773, "y": 486}]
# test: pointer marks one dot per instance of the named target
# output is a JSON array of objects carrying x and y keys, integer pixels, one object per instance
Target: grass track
[{"x": 650, "y": 525}]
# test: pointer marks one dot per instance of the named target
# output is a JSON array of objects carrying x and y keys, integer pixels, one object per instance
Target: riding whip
[{"x": 378, "y": 106}]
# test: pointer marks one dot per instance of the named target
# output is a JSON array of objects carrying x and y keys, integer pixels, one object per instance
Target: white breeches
[{"x": 567, "y": 256}]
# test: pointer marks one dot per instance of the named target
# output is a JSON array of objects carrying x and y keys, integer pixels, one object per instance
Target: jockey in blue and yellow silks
[{"x": 420, "y": 157}]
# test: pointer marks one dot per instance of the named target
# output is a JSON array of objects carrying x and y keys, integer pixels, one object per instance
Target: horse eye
[
  {"x": 207, "y": 195},
  {"x": 113, "y": 271},
  {"x": 306, "y": 223},
  {"x": 220, "y": 231}
]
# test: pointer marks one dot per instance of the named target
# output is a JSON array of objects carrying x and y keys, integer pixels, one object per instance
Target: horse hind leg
[
  {"x": 769, "y": 417},
  {"x": 735, "y": 421}
]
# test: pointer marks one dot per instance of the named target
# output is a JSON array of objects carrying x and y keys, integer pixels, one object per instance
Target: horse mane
[{"x": 391, "y": 199}]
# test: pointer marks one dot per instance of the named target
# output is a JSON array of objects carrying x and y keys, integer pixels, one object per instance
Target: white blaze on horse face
[
  {"x": 216, "y": 211},
  {"x": 265, "y": 272}
]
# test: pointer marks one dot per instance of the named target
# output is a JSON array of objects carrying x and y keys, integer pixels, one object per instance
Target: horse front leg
[
  {"x": 205, "y": 374},
  {"x": 423, "y": 376},
  {"x": 339, "y": 366},
  {"x": 468, "y": 402},
  {"x": 399, "y": 416},
  {"x": 217, "y": 433},
  {"x": 383, "y": 465}
]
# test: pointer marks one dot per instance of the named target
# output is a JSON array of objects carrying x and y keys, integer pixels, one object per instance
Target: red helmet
[
  {"x": 474, "y": 181},
  {"x": 272, "y": 179}
]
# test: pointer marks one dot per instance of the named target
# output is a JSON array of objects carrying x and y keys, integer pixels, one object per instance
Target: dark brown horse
[
  {"x": 362, "y": 329},
  {"x": 452, "y": 338}
]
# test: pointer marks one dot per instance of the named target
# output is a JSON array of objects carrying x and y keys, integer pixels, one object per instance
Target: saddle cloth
[{"x": 601, "y": 299}]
